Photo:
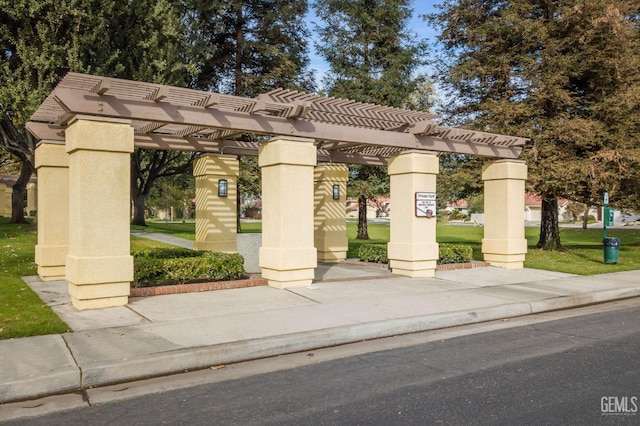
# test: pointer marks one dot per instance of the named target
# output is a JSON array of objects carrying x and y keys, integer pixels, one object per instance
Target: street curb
[
  {"x": 194, "y": 358},
  {"x": 567, "y": 302},
  {"x": 63, "y": 377},
  {"x": 182, "y": 360}
]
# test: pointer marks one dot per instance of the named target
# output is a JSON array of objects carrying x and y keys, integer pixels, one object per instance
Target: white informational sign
[
  {"x": 425, "y": 204},
  {"x": 606, "y": 198}
]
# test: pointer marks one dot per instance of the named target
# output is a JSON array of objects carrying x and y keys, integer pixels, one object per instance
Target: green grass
[
  {"x": 583, "y": 255},
  {"x": 176, "y": 229},
  {"x": 188, "y": 230},
  {"x": 22, "y": 313}
]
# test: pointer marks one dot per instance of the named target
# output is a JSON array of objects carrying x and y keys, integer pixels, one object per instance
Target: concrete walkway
[{"x": 161, "y": 335}]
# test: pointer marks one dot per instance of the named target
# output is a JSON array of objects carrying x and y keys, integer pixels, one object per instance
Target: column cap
[
  {"x": 414, "y": 162},
  {"x": 51, "y": 155},
  {"x": 82, "y": 134},
  {"x": 504, "y": 169},
  {"x": 293, "y": 151}
]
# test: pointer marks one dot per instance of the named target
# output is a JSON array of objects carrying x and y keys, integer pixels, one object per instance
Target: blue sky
[{"x": 417, "y": 25}]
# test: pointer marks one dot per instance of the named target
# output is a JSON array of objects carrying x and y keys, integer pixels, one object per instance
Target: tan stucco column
[
  {"x": 99, "y": 264},
  {"x": 216, "y": 213},
  {"x": 330, "y": 221},
  {"x": 32, "y": 198},
  {"x": 412, "y": 248},
  {"x": 287, "y": 255},
  {"x": 504, "y": 243},
  {"x": 52, "y": 164},
  {"x": 6, "y": 192}
]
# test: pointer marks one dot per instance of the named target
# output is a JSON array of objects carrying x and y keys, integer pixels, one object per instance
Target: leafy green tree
[
  {"x": 563, "y": 73},
  {"x": 41, "y": 41},
  {"x": 373, "y": 57},
  {"x": 36, "y": 48}
]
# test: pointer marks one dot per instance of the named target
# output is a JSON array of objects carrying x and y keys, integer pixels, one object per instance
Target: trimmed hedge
[
  {"x": 455, "y": 253},
  {"x": 176, "y": 266},
  {"x": 449, "y": 253},
  {"x": 373, "y": 253}
]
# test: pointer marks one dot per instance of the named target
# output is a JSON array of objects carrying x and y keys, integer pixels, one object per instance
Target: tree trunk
[
  {"x": 238, "y": 90},
  {"x": 585, "y": 217},
  {"x": 363, "y": 233},
  {"x": 19, "y": 188},
  {"x": 549, "y": 227},
  {"x": 138, "y": 208}
]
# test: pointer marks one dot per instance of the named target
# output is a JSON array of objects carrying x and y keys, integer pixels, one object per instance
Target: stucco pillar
[
  {"x": 216, "y": 213},
  {"x": 6, "y": 192},
  {"x": 99, "y": 264},
  {"x": 52, "y": 164},
  {"x": 412, "y": 248},
  {"x": 287, "y": 256},
  {"x": 504, "y": 243},
  {"x": 32, "y": 198},
  {"x": 330, "y": 221}
]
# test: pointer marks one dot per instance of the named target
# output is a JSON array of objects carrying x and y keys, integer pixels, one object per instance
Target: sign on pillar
[{"x": 412, "y": 249}]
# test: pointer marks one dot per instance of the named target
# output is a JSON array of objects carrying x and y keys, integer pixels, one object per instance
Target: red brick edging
[
  {"x": 453, "y": 266},
  {"x": 255, "y": 280},
  {"x": 196, "y": 287}
]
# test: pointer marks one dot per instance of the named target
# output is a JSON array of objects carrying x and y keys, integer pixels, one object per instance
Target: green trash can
[{"x": 611, "y": 250}]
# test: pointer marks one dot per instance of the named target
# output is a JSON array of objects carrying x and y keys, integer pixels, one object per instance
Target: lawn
[
  {"x": 583, "y": 255},
  {"x": 22, "y": 313}
]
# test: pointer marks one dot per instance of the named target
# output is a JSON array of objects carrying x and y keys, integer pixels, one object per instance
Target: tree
[
  {"x": 366, "y": 183},
  {"x": 35, "y": 50},
  {"x": 41, "y": 41},
  {"x": 246, "y": 48},
  {"x": 563, "y": 73},
  {"x": 373, "y": 58}
]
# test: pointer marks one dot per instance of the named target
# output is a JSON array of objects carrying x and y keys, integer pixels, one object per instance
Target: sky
[{"x": 417, "y": 25}]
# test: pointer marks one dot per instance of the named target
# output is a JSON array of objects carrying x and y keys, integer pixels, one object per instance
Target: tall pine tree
[
  {"x": 373, "y": 57},
  {"x": 563, "y": 73}
]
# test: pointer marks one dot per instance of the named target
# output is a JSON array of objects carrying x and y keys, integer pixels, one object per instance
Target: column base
[
  {"x": 288, "y": 279},
  {"x": 508, "y": 254},
  {"x": 51, "y": 273},
  {"x": 96, "y": 296},
  {"x": 109, "y": 302},
  {"x": 51, "y": 261},
  {"x": 515, "y": 261},
  {"x": 413, "y": 269},
  {"x": 332, "y": 256}
]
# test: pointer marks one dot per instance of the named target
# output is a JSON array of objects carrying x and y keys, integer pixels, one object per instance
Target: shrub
[
  {"x": 455, "y": 253},
  {"x": 165, "y": 253},
  {"x": 176, "y": 266},
  {"x": 449, "y": 253},
  {"x": 373, "y": 253}
]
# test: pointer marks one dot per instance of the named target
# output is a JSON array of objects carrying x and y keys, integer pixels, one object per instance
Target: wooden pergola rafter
[{"x": 166, "y": 117}]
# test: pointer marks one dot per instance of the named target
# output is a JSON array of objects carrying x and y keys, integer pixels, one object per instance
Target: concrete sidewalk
[{"x": 160, "y": 335}]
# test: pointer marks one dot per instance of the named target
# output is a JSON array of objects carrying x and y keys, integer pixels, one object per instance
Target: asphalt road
[{"x": 579, "y": 370}]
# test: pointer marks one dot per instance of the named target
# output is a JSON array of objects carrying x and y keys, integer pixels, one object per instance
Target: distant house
[
  {"x": 533, "y": 209},
  {"x": 461, "y": 205},
  {"x": 379, "y": 207}
]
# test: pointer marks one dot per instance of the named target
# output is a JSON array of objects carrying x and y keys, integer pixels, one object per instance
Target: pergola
[{"x": 89, "y": 125}]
